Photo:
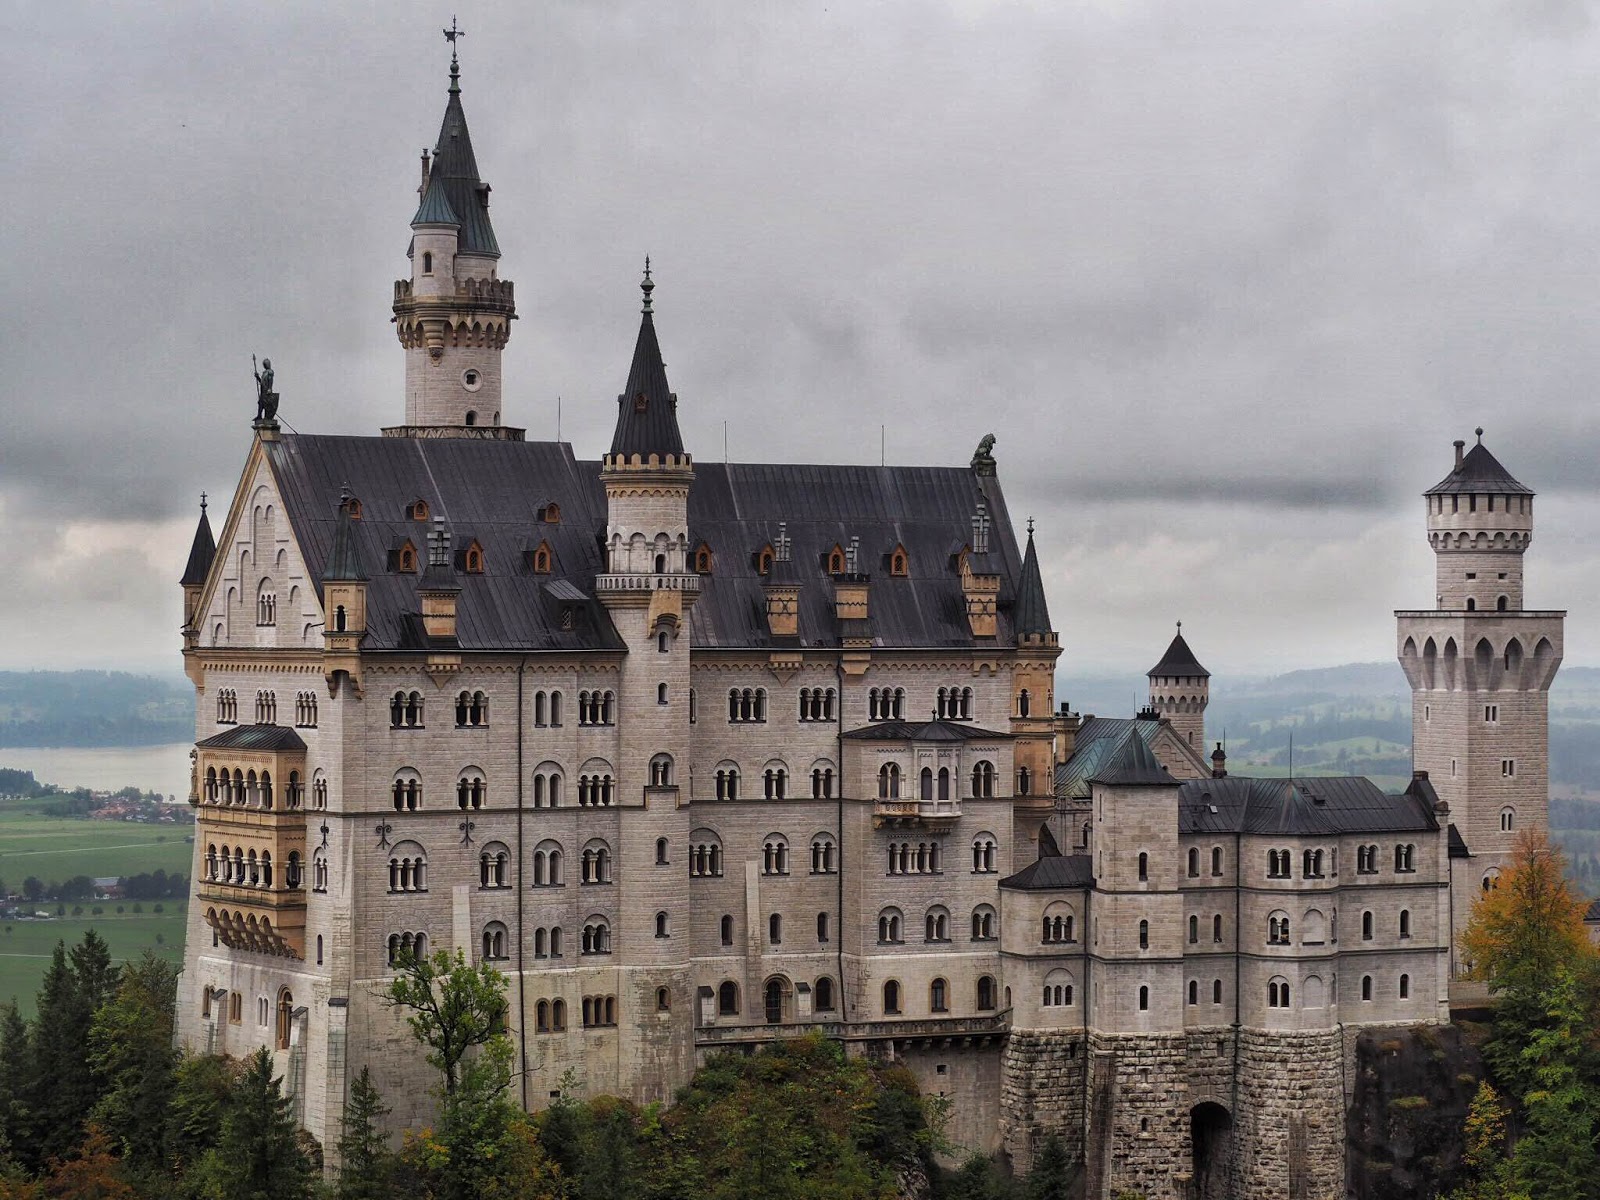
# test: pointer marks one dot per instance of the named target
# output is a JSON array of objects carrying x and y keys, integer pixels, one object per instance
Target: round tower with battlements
[{"x": 1480, "y": 666}]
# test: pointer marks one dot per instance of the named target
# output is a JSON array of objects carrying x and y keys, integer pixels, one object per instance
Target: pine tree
[
  {"x": 258, "y": 1155},
  {"x": 1050, "y": 1178},
  {"x": 59, "y": 1093},
  {"x": 16, "y": 1078},
  {"x": 366, "y": 1164},
  {"x": 131, "y": 1055}
]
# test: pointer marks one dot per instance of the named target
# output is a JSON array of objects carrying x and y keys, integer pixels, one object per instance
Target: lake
[{"x": 163, "y": 769}]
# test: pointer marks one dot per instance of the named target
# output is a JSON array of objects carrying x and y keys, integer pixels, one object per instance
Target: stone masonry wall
[
  {"x": 1290, "y": 1120},
  {"x": 1042, "y": 1091}
]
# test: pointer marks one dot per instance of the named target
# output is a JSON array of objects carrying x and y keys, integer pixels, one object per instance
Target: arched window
[
  {"x": 985, "y": 924},
  {"x": 495, "y": 941},
  {"x": 889, "y": 781},
  {"x": 1194, "y": 930},
  {"x": 705, "y": 854},
  {"x": 891, "y": 926},
  {"x": 596, "y": 936},
  {"x": 1194, "y": 991},
  {"x": 727, "y": 781},
  {"x": 471, "y": 790},
  {"x": 1508, "y": 819},
  {"x": 1278, "y": 992},
  {"x": 474, "y": 556},
  {"x": 983, "y": 780},
  {"x": 663, "y": 925},
  {"x": 822, "y": 927},
  {"x": 703, "y": 561},
  {"x": 1366, "y": 987},
  {"x": 1278, "y": 929},
  {"x": 494, "y": 866},
  {"x": 939, "y": 996},
  {"x": 596, "y": 863},
  {"x": 547, "y": 786},
  {"x": 408, "y": 868},
  {"x": 1216, "y": 991},
  {"x": 1024, "y": 781},
  {"x": 775, "y": 780},
  {"x": 936, "y": 924},
  {"x": 661, "y": 770},
  {"x": 1194, "y": 863},
  {"x": 427, "y": 262},
  {"x": 405, "y": 710},
  {"x": 824, "y": 855},
  {"x": 1405, "y": 922},
  {"x": 822, "y": 995},
  {"x": 1024, "y": 703},
  {"x": 728, "y": 999},
  {"x": 1216, "y": 860},
  {"x": 891, "y": 998},
  {"x": 1144, "y": 867},
  {"x": 1144, "y": 935},
  {"x": 1366, "y": 926},
  {"x": 285, "y": 1018},
  {"x": 775, "y": 855},
  {"x": 727, "y": 929},
  {"x": 1144, "y": 998},
  {"x": 983, "y": 854},
  {"x": 775, "y": 930},
  {"x": 547, "y": 865},
  {"x": 986, "y": 993}
]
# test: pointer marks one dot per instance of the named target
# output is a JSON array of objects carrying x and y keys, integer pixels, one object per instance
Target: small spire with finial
[
  {"x": 1180, "y": 626},
  {"x": 202, "y": 502},
  {"x": 1030, "y": 526},
  {"x": 647, "y": 285},
  {"x": 450, "y": 35},
  {"x": 1479, "y": 432}
]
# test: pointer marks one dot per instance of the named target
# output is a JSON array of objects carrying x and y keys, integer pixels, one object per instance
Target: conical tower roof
[
  {"x": 455, "y": 195},
  {"x": 1032, "y": 613},
  {"x": 202, "y": 551},
  {"x": 1179, "y": 661},
  {"x": 344, "y": 559},
  {"x": 1478, "y": 471},
  {"x": 647, "y": 411}
]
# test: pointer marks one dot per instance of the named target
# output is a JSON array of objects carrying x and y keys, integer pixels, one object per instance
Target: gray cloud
[{"x": 1225, "y": 280}]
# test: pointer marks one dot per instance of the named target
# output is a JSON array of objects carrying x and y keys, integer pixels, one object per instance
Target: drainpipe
[
  {"x": 522, "y": 970},
  {"x": 1088, "y": 995},
  {"x": 1238, "y": 946},
  {"x": 838, "y": 712}
]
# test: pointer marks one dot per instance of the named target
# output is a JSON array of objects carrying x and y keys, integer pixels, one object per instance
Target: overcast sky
[{"x": 1224, "y": 279}]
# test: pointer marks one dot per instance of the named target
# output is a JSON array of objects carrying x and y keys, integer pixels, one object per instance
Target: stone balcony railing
[
  {"x": 672, "y": 581},
  {"x": 903, "y": 810},
  {"x": 921, "y": 1028}
]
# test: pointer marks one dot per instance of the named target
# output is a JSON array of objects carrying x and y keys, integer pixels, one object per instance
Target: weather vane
[{"x": 451, "y": 34}]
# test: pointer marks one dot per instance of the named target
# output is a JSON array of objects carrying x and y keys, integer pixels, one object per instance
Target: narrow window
[{"x": 1144, "y": 999}]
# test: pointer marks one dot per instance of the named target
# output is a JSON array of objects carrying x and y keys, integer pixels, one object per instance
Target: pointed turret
[
  {"x": 454, "y": 314},
  {"x": 202, "y": 553},
  {"x": 1032, "y": 613},
  {"x": 1134, "y": 765},
  {"x": 344, "y": 559},
  {"x": 647, "y": 411},
  {"x": 1180, "y": 689}
]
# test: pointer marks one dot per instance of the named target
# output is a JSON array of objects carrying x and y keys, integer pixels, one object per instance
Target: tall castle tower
[
  {"x": 454, "y": 314},
  {"x": 1180, "y": 689},
  {"x": 648, "y": 590},
  {"x": 1480, "y": 666}
]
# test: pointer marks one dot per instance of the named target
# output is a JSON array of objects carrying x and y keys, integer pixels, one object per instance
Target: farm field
[
  {"x": 57, "y": 848},
  {"x": 26, "y": 946}
]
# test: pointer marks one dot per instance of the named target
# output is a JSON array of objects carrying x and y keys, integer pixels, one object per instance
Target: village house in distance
[{"x": 701, "y": 755}]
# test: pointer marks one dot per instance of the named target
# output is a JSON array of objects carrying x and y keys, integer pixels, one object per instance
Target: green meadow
[{"x": 56, "y": 849}]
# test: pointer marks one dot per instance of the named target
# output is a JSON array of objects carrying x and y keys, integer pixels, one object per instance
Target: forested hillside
[{"x": 93, "y": 708}]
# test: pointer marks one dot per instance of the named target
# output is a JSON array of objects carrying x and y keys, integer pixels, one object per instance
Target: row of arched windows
[
  {"x": 246, "y": 789},
  {"x": 227, "y": 707},
  {"x": 923, "y": 858},
  {"x": 816, "y": 704},
  {"x": 305, "y": 710},
  {"x": 472, "y": 710},
  {"x": 246, "y": 868},
  {"x": 402, "y": 945},
  {"x": 747, "y": 706},
  {"x": 597, "y": 708},
  {"x": 266, "y": 708},
  {"x": 953, "y": 704},
  {"x": 886, "y": 704},
  {"x": 932, "y": 786}
]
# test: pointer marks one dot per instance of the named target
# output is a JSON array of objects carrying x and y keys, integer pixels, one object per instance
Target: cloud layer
[{"x": 1225, "y": 280}]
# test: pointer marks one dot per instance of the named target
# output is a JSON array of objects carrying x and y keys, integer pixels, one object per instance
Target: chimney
[
  {"x": 980, "y": 529},
  {"x": 425, "y": 168},
  {"x": 1219, "y": 763},
  {"x": 1460, "y": 452}
]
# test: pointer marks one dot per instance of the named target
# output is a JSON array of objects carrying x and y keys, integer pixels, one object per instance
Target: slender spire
[
  {"x": 455, "y": 195},
  {"x": 1032, "y": 613},
  {"x": 647, "y": 411},
  {"x": 202, "y": 551}
]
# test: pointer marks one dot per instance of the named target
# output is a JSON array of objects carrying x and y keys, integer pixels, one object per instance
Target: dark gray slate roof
[
  {"x": 1033, "y": 614},
  {"x": 1458, "y": 844},
  {"x": 647, "y": 411},
  {"x": 254, "y": 737},
  {"x": 493, "y": 491},
  {"x": 1050, "y": 872},
  {"x": 1324, "y": 806},
  {"x": 455, "y": 195},
  {"x": 1592, "y": 917},
  {"x": 487, "y": 490},
  {"x": 1180, "y": 661},
  {"x": 201, "y": 553},
  {"x": 1097, "y": 741},
  {"x": 1479, "y": 472},
  {"x": 1134, "y": 765},
  {"x": 736, "y": 508},
  {"x": 924, "y": 731}
]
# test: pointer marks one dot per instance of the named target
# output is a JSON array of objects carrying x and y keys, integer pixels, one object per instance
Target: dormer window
[
  {"x": 407, "y": 559},
  {"x": 417, "y": 510},
  {"x": 353, "y": 507},
  {"x": 702, "y": 559},
  {"x": 474, "y": 559},
  {"x": 899, "y": 562},
  {"x": 764, "y": 558},
  {"x": 550, "y": 514},
  {"x": 836, "y": 560},
  {"x": 542, "y": 559}
]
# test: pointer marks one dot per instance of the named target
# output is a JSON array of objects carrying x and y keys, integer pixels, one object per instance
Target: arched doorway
[{"x": 1211, "y": 1132}]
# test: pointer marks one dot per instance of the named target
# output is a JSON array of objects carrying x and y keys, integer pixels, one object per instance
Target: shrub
[{"x": 160, "y": 908}]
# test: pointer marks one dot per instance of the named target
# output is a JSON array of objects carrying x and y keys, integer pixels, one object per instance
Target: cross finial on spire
[
  {"x": 450, "y": 35},
  {"x": 647, "y": 285},
  {"x": 202, "y": 502},
  {"x": 1030, "y": 526}
]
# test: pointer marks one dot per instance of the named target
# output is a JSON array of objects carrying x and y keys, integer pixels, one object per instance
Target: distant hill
[
  {"x": 93, "y": 708},
  {"x": 1353, "y": 719}
]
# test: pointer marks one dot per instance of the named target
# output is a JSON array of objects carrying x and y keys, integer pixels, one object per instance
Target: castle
[{"x": 703, "y": 755}]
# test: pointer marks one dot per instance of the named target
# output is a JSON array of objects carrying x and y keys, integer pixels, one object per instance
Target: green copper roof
[{"x": 344, "y": 560}]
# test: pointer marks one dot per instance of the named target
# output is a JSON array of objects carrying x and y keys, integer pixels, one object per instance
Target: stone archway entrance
[{"x": 1211, "y": 1133}]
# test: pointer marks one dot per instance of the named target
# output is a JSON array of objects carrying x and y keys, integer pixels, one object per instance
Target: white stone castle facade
[{"x": 700, "y": 756}]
